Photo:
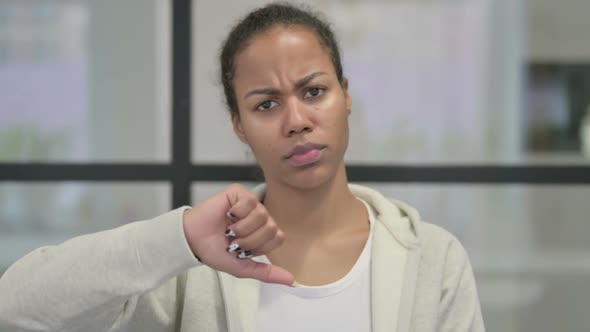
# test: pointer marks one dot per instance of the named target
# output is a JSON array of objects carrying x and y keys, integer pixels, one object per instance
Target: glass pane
[
  {"x": 84, "y": 81},
  {"x": 210, "y": 121},
  {"x": 528, "y": 245},
  {"x": 432, "y": 82},
  {"x": 38, "y": 214}
]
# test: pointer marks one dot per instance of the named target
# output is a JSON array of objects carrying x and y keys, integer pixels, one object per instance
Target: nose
[{"x": 296, "y": 118}]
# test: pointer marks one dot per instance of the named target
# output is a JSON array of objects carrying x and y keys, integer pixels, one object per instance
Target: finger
[
  {"x": 242, "y": 207},
  {"x": 257, "y": 218},
  {"x": 269, "y": 246},
  {"x": 236, "y": 194},
  {"x": 266, "y": 273},
  {"x": 258, "y": 238}
]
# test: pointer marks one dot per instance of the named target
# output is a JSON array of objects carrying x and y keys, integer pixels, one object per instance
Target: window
[{"x": 467, "y": 111}]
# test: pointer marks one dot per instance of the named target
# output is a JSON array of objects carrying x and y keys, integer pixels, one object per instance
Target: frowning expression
[{"x": 293, "y": 110}]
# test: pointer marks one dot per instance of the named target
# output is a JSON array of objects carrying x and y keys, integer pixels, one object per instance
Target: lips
[
  {"x": 304, "y": 148},
  {"x": 305, "y": 154}
]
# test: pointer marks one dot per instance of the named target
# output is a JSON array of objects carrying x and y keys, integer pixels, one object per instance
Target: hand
[{"x": 235, "y": 219}]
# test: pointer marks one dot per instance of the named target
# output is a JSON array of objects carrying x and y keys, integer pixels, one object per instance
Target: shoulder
[
  {"x": 435, "y": 237},
  {"x": 440, "y": 251},
  {"x": 439, "y": 246},
  {"x": 445, "y": 277},
  {"x": 445, "y": 283}
]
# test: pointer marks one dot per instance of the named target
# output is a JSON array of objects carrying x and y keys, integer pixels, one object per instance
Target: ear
[
  {"x": 346, "y": 95},
  {"x": 238, "y": 129}
]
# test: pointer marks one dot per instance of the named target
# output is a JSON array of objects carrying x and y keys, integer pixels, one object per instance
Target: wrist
[{"x": 187, "y": 233}]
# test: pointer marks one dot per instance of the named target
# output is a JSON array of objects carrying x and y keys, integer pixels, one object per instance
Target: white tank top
[{"x": 344, "y": 305}]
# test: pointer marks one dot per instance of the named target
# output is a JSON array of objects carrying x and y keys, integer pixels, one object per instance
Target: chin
[{"x": 309, "y": 177}]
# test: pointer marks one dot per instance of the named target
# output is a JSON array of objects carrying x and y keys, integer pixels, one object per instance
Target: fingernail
[
  {"x": 230, "y": 233},
  {"x": 294, "y": 284},
  {"x": 245, "y": 254},
  {"x": 233, "y": 247},
  {"x": 229, "y": 214}
]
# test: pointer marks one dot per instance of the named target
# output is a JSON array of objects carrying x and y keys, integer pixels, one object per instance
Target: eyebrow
[{"x": 271, "y": 91}]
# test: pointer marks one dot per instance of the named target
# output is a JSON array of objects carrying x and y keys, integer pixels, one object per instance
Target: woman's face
[{"x": 293, "y": 110}]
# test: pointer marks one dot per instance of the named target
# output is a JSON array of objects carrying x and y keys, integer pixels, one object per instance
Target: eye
[
  {"x": 314, "y": 92},
  {"x": 266, "y": 105}
]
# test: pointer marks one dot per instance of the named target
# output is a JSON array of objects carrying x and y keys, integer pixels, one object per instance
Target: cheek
[
  {"x": 260, "y": 138},
  {"x": 340, "y": 129},
  {"x": 337, "y": 117}
]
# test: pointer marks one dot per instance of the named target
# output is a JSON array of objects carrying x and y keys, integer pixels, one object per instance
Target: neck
[{"x": 313, "y": 213}]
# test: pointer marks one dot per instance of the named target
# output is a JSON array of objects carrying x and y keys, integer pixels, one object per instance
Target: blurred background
[{"x": 92, "y": 85}]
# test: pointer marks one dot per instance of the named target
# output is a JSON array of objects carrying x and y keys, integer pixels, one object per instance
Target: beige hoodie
[{"x": 143, "y": 277}]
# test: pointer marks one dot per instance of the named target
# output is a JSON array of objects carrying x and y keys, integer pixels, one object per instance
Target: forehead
[{"x": 281, "y": 53}]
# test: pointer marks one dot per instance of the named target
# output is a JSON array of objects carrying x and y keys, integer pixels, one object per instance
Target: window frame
[{"x": 181, "y": 172}]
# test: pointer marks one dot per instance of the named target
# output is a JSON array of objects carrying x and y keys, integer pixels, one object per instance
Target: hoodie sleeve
[
  {"x": 459, "y": 308},
  {"x": 86, "y": 283}
]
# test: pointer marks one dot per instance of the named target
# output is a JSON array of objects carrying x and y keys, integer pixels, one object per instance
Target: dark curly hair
[{"x": 262, "y": 20}]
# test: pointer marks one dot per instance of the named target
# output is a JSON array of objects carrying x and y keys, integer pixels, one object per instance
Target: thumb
[{"x": 266, "y": 273}]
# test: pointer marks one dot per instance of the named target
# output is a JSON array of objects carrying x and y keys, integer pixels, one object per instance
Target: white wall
[{"x": 558, "y": 30}]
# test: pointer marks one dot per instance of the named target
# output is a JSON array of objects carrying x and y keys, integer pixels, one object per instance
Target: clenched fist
[{"x": 228, "y": 228}]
